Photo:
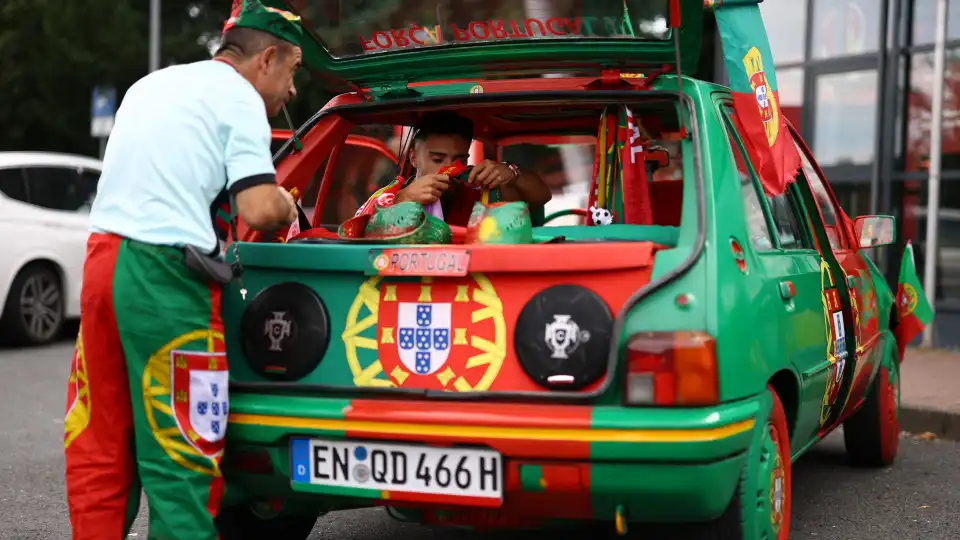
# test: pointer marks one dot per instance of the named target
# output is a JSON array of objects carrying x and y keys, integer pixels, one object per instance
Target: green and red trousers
[{"x": 147, "y": 398}]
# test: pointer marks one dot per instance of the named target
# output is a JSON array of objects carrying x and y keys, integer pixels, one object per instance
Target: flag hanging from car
[
  {"x": 913, "y": 310},
  {"x": 756, "y": 96}
]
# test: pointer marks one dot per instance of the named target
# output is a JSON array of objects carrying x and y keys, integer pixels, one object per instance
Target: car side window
[
  {"x": 56, "y": 188},
  {"x": 827, "y": 209},
  {"x": 13, "y": 184},
  {"x": 87, "y": 190},
  {"x": 784, "y": 209},
  {"x": 757, "y": 226},
  {"x": 785, "y": 217}
]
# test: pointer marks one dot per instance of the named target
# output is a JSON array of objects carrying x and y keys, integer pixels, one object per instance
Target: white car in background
[{"x": 45, "y": 201}]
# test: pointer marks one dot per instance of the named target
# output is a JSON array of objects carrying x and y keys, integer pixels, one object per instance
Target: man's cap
[
  {"x": 253, "y": 14},
  {"x": 443, "y": 123}
]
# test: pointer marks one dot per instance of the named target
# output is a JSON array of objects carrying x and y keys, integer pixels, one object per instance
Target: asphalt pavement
[{"x": 917, "y": 499}]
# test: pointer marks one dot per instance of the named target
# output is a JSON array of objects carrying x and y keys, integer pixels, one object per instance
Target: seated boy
[{"x": 440, "y": 140}]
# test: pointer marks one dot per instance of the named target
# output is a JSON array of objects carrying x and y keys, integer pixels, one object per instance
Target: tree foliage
[{"x": 54, "y": 52}]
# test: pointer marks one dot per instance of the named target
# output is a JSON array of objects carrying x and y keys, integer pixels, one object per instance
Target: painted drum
[
  {"x": 286, "y": 331},
  {"x": 562, "y": 337}
]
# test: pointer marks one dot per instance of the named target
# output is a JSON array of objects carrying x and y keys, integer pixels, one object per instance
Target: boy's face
[{"x": 438, "y": 151}]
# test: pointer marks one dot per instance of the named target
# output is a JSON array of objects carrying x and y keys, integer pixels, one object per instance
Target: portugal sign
[
  {"x": 201, "y": 399},
  {"x": 766, "y": 100},
  {"x": 186, "y": 400},
  {"x": 836, "y": 340},
  {"x": 434, "y": 334}
]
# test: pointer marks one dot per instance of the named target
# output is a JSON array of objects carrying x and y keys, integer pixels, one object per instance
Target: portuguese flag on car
[
  {"x": 756, "y": 99},
  {"x": 913, "y": 311}
]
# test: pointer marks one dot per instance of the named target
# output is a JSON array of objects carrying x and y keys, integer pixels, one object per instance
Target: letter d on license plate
[{"x": 408, "y": 472}]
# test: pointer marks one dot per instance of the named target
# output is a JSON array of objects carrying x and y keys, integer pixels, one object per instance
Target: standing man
[{"x": 147, "y": 396}]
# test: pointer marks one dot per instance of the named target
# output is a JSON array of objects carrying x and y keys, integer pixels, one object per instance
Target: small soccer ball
[{"x": 601, "y": 216}]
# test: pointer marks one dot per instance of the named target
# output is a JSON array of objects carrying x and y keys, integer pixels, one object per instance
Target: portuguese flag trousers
[{"x": 147, "y": 397}]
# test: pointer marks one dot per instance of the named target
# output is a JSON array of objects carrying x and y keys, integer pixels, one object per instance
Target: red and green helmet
[{"x": 276, "y": 22}]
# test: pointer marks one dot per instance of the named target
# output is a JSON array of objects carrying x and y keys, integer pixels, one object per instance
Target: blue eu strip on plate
[{"x": 300, "y": 460}]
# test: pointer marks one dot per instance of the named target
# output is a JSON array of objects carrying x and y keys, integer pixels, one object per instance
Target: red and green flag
[
  {"x": 621, "y": 190},
  {"x": 756, "y": 98},
  {"x": 913, "y": 310}
]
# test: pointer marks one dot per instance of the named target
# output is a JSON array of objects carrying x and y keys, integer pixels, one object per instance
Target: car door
[
  {"x": 856, "y": 277},
  {"x": 831, "y": 241},
  {"x": 791, "y": 272}
]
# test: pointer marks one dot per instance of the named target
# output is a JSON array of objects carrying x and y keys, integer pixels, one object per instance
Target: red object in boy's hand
[{"x": 457, "y": 171}]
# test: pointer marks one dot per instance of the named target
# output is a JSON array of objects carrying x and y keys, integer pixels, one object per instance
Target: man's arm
[
  {"x": 528, "y": 187},
  {"x": 251, "y": 176}
]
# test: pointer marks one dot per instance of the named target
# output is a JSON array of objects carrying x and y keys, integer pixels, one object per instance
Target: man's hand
[
  {"x": 265, "y": 207},
  {"x": 291, "y": 205},
  {"x": 491, "y": 174},
  {"x": 424, "y": 190}
]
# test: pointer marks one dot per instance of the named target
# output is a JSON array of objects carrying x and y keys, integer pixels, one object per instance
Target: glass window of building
[
  {"x": 919, "y": 98},
  {"x": 790, "y": 90},
  {"x": 846, "y": 118},
  {"x": 925, "y": 21},
  {"x": 786, "y": 24},
  {"x": 947, "y": 275},
  {"x": 845, "y": 27}
]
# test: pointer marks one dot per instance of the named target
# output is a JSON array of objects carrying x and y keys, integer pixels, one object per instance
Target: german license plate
[{"x": 447, "y": 472}]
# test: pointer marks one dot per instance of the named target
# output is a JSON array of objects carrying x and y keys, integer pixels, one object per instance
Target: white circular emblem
[
  {"x": 361, "y": 473},
  {"x": 380, "y": 262},
  {"x": 385, "y": 199}
]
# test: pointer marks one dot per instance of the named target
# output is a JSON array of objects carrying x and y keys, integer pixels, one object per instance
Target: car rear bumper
[{"x": 559, "y": 461}]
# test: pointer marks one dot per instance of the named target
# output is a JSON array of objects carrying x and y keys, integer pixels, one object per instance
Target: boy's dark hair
[{"x": 443, "y": 123}]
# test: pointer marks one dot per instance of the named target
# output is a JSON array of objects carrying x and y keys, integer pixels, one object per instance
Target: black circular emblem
[
  {"x": 285, "y": 331},
  {"x": 563, "y": 336}
]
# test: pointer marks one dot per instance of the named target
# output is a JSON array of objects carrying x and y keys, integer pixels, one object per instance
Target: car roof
[{"x": 22, "y": 159}]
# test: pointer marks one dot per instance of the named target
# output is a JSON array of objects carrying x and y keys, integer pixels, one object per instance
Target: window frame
[{"x": 846, "y": 243}]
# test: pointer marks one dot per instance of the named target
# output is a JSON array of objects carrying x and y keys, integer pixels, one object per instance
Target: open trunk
[{"x": 327, "y": 315}]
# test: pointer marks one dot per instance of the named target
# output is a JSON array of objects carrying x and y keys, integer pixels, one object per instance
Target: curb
[{"x": 943, "y": 424}]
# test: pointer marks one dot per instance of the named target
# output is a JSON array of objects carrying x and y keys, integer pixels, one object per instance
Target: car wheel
[
  {"x": 761, "y": 503},
  {"x": 34, "y": 310},
  {"x": 246, "y": 522},
  {"x": 872, "y": 434}
]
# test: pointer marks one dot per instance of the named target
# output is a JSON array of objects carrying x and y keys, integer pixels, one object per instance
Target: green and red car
[{"x": 663, "y": 369}]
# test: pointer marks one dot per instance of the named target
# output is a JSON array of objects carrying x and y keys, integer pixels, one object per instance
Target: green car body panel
[
  {"x": 767, "y": 308},
  {"x": 760, "y": 341}
]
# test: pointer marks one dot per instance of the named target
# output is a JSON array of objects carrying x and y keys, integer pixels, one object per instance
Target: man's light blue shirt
[{"x": 181, "y": 135}]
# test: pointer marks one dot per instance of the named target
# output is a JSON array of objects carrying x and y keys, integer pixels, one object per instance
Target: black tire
[
  {"x": 34, "y": 311},
  {"x": 242, "y": 523}
]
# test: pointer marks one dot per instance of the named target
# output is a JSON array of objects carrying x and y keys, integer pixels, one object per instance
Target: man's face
[
  {"x": 438, "y": 151},
  {"x": 276, "y": 66}
]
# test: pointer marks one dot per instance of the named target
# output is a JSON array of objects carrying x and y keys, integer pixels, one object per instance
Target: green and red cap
[{"x": 276, "y": 22}]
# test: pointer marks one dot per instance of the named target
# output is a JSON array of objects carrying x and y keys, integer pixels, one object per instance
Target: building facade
[{"x": 856, "y": 77}]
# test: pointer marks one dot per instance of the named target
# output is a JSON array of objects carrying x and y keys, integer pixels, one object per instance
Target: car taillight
[{"x": 671, "y": 368}]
